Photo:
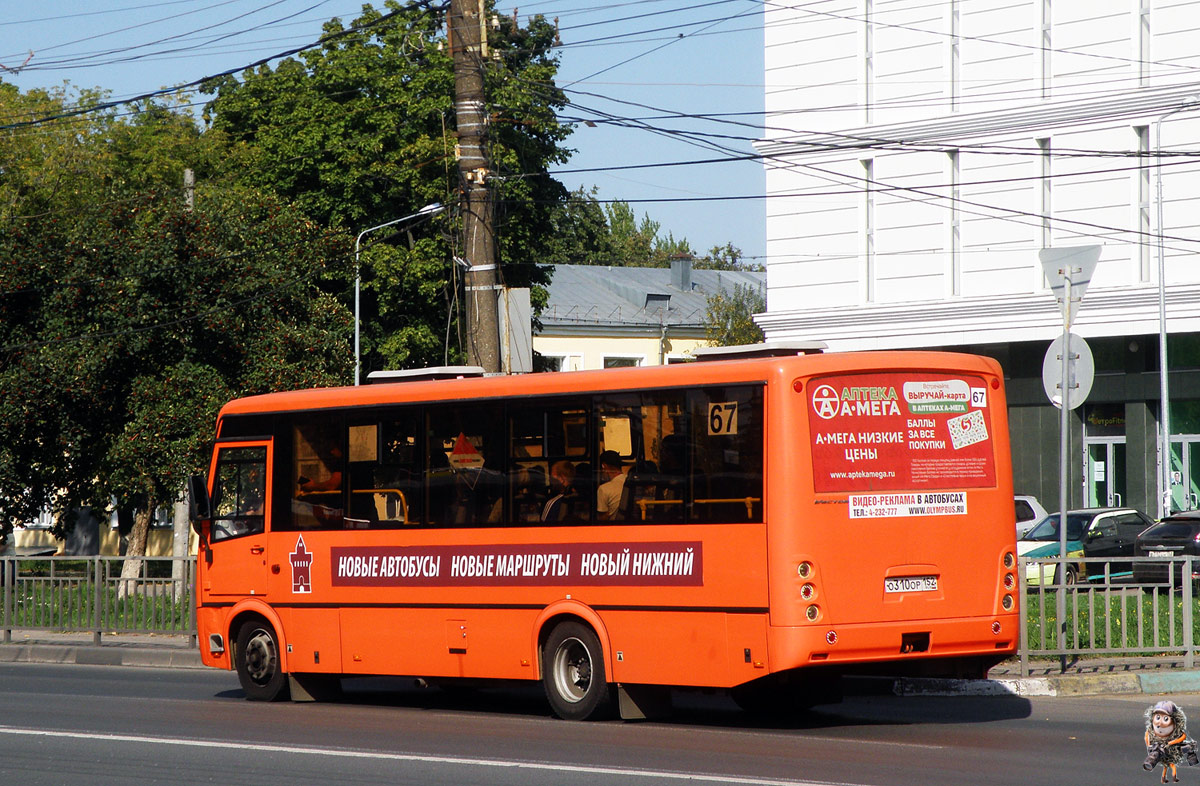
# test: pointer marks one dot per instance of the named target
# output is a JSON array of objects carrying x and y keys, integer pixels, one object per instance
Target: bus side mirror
[{"x": 199, "y": 504}]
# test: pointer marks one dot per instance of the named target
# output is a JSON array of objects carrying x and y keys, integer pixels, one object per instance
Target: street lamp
[
  {"x": 428, "y": 210},
  {"x": 1164, "y": 502}
]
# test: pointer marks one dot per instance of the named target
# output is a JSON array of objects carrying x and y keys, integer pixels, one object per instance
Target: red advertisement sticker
[
  {"x": 900, "y": 431},
  {"x": 635, "y": 564}
]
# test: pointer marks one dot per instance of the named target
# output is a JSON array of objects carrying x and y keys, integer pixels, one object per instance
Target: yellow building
[{"x": 607, "y": 317}]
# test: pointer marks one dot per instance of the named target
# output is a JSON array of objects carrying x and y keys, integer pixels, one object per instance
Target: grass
[
  {"x": 63, "y": 595},
  {"x": 1124, "y": 621}
]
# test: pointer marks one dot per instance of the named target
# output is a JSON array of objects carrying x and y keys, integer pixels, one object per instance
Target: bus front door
[{"x": 236, "y": 558}]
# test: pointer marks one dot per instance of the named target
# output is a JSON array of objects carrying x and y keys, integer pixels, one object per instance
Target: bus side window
[
  {"x": 726, "y": 454},
  {"x": 465, "y": 477},
  {"x": 318, "y": 466},
  {"x": 547, "y": 445},
  {"x": 239, "y": 492},
  {"x": 385, "y": 477},
  {"x": 645, "y": 431}
]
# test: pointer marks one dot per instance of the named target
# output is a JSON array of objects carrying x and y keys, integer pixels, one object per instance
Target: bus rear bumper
[{"x": 892, "y": 645}]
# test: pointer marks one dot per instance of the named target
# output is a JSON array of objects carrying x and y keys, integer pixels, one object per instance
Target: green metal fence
[
  {"x": 1107, "y": 613},
  {"x": 88, "y": 594},
  {"x": 1150, "y": 611}
]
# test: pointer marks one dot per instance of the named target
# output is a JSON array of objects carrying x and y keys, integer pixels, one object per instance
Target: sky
[{"x": 651, "y": 82}]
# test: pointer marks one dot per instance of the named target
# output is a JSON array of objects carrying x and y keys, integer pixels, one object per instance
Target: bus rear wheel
[
  {"x": 573, "y": 673},
  {"x": 258, "y": 665}
]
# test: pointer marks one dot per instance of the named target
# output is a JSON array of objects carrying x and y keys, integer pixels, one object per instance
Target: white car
[{"x": 1029, "y": 512}]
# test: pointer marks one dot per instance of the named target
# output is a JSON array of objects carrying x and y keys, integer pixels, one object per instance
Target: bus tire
[
  {"x": 573, "y": 673},
  {"x": 258, "y": 666}
]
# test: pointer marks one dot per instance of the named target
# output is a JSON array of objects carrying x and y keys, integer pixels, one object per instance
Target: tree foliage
[
  {"x": 360, "y": 131},
  {"x": 728, "y": 320},
  {"x": 127, "y": 319},
  {"x": 589, "y": 232}
]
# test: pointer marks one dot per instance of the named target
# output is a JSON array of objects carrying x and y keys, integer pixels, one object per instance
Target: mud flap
[{"x": 640, "y": 702}]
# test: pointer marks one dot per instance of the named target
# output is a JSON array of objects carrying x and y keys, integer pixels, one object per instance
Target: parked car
[
  {"x": 1091, "y": 532},
  {"x": 1177, "y": 536},
  {"x": 1029, "y": 512}
]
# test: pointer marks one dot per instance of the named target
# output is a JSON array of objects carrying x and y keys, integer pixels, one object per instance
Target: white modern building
[{"x": 920, "y": 154}]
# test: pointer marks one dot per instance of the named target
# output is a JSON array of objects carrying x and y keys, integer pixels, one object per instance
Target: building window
[
  {"x": 955, "y": 218},
  {"x": 1047, "y": 42},
  {"x": 868, "y": 85},
  {"x": 868, "y": 246},
  {"x": 956, "y": 55},
  {"x": 622, "y": 361},
  {"x": 1142, "y": 196},
  {"x": 1143, "y": 43},
  {"x": 1045, "y": 239}
]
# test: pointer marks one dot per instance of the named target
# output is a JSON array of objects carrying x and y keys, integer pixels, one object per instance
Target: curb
[
  {"x": 1076, "y": 685},
  {"x": 143, "y": 657}
]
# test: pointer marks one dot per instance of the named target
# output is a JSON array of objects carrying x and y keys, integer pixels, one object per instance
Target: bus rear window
[{"x": 900, "y": 431}]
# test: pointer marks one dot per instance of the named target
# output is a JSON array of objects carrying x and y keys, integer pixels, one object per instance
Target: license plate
[
  {"x": 911, "y": 584},
  {"x": 1160, "y": 553}
]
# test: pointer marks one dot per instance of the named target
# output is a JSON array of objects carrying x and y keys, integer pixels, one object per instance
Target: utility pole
[{"x": 465, "y": 26}]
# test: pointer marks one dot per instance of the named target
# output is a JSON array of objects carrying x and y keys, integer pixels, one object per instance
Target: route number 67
[{"x": 722, "y": 418}]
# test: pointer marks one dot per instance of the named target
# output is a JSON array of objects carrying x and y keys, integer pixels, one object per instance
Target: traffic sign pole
[{"x": 1073, "y": 267}]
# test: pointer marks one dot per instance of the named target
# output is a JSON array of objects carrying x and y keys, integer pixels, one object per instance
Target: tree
[
  {"x": 128, "y": 318},
  {"x": 728, "y": 319},
  {"x": 360, "y": 131},
  {"x": 589, "y": 232}
]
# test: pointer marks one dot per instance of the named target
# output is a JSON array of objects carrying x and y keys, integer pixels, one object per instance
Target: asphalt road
[{"x": 90, "y": 724}]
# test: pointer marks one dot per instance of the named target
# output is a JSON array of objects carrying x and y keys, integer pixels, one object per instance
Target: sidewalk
[
  {"x": 1088, "y": 677},
  {"x": 114, "y": 649}
]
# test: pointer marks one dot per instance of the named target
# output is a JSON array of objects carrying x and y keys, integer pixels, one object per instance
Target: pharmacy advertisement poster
[{"x": 901, "y": 432}]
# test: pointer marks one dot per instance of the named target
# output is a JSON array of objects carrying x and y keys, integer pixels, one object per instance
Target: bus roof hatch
[
  {"x": 767, "y": 349},
  {"x": 424, "y": 374}
]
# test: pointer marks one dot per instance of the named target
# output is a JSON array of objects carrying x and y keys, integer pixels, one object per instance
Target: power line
[{"x": 323, "y": 40}]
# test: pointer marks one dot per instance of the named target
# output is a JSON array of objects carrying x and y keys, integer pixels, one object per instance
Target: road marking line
[{"x": 421, "y": 758}]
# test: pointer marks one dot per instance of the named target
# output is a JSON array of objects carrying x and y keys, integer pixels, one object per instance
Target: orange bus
[{"x": 761, "y": 525}]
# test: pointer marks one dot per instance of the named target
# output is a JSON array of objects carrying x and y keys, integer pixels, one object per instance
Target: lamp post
[
  {"x": 428, "y": 210},
  {"x": 1164, "y": 476}
]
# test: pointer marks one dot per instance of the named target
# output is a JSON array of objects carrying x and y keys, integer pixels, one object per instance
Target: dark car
[
  {"x": 1176, "y": 536},
  {"x": 1091, "y": 532}
]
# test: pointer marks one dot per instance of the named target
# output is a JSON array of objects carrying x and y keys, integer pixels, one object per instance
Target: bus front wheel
[
  {"x": 258, "y": 666},
  {"x": 573, "y": 673}
]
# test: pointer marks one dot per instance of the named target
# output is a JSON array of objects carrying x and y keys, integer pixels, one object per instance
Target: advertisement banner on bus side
[
  {"x": 900, "y": 431},
  {"x": 673, "y": 563}
]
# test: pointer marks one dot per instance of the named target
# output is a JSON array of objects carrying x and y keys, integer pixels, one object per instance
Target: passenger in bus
[
  {"x": 315, "y": 504},
  {"x": 255, "y": 492},
  {"x": 333, "y": 480},
  {"x": 529, "y": 495},
  {"x": 608, "y": 495},
  {"x": 559, "y": 507}
]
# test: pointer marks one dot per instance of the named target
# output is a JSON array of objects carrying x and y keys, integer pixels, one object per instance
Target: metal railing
[
  {"x": 88, "y": 594},
  {"x": 1108, "y": 612},
  {"x": 1148, "y": 609}
]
